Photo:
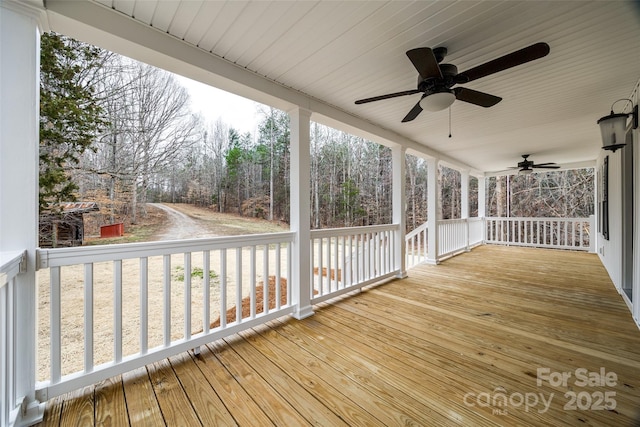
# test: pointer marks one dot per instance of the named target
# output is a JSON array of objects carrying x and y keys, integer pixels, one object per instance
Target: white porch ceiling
[{"x": 334, "y": 52}]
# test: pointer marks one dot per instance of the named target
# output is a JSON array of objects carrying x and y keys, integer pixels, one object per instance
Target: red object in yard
[{"x": 113, "y": 230}]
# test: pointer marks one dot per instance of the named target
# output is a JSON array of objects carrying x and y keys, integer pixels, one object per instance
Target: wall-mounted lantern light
[{"x": 614, "y": 127}]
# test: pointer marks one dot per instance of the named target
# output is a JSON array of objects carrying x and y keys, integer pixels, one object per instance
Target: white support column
[
  {"x": 300, "y": 212},
  {"x": 482, "y": 204},
  {"x": 594, "y": 235},
  {"x": 399, "y": 206},
  {"x": 433, "y": 194},
  {"x": 464, "y": 194},
  {"x": 464, "y": 203},
  {"x": 482, "y": 197},
  {"x": 19, "y": 118}
]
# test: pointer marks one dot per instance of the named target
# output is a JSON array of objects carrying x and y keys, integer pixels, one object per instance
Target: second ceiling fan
[
  {"x": 527, "y": 166},
  {"x": 436, "y": 80}
]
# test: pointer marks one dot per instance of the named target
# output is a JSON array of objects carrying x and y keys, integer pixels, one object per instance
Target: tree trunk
[
  {"x": 271, "y": 167},
  {"x": 500, "y": 197},
  {"x": 134, "y": 202}
]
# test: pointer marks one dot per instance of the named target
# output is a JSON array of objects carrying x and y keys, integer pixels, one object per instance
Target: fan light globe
[
  {"x": 525, "y": 171},
  {"x": 437, "y": 101}
]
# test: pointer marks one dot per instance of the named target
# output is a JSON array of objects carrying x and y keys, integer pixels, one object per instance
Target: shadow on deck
[{"x": 481, "y": 339}]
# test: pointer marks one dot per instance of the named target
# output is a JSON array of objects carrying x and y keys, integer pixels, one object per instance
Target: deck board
[
  {"x": 312, "y": 409},
  {"x": 111, "y": 407},
  {"x": 142, "y": 404},
  {"x": 207, "y": 405},
  {"x": 237, "y": 401},
  {"x": 173, "y": 401},
  {"x": 280, "y": 411},
  {"x": 52, "y": 412},
  {"x": 404, "y": 353},
  {"x": 79, "y": 409},
  {"x": 354, "y": 403}
]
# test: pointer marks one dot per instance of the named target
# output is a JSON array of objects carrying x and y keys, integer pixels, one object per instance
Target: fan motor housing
[
  {"x": 448, "y": 70},
  {"x": 525, "y": 164},
  {"x": 434, "y": 84}
]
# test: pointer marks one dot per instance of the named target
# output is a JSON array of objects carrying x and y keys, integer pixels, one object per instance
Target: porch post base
[
  {"x": 402, "y": 275},
  {"x": 303, "y": 313},
  {"x": 432, "y": 261},
  {"x": 33, "y": 414}
]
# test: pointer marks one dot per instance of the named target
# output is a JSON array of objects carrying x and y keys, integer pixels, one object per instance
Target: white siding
[{"x": 610, "y": 250}]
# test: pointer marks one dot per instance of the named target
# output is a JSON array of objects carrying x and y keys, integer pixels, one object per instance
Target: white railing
[
  {"x": 459, "y": 235},
  {"x": 148, "y": 301},
  {"x": 344, "y": 259},
  {"x": 556, "y": 233},
  {"x": 416, "y": 246},
  {"x": 11, "y": 265},
  {"x": 453, "y": 236},
  {"x": 476, "y": 231}
]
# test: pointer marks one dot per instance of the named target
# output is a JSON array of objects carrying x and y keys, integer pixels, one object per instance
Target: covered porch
[{"x": 464, "y": 342}]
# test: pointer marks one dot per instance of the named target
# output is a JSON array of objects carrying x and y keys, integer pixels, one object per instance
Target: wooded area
[{"x": 122, "y": 133}]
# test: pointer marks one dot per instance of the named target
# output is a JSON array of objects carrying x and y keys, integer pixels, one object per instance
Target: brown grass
[
  {"x": 333, "y": 273},
  {"x": 246, "y": 301}
]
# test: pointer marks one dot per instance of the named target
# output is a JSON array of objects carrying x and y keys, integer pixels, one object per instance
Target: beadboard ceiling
[{"x": 334, "y": 52}]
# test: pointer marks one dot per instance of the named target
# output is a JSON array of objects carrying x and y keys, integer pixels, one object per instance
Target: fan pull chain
[{"x": 449, "y": 122}]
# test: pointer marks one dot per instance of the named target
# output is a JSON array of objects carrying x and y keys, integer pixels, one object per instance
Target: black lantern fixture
[{"x": 614, "y": 127}]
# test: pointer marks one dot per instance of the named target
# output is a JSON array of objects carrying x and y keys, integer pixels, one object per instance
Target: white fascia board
[{"x": 93, "y": 23}]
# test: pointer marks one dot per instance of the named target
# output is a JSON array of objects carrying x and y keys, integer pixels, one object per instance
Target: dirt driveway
[
  {"x": 181, "y": 225},
  {"x": 209, "y": 223}
]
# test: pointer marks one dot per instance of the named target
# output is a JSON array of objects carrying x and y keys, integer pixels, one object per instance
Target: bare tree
[
  {"x": 543, "y": 194},
  {"x": 158, "y": 126},
  {"x": 217, "y": 145}
]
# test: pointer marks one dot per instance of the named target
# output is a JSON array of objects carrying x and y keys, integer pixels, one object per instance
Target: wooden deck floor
[{"x": 446, "y": 346}]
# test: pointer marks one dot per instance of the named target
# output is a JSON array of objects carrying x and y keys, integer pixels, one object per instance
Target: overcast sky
[{"x": 238, "y": 112}]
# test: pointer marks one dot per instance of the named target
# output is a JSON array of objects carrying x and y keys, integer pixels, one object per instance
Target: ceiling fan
[
  {"x": 526, "y": 166},
  {"x": 436, "y": 80}
]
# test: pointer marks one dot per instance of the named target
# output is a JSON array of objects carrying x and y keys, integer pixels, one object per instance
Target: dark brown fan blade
[
  {"x": 425, "y": 62},
  {"x": 546, "y": 166},
  {"x": 387, "y": 96},
  {"x": 417, "y": 109},
  {"x": 530, "y": 53},
  {"x": 475, "y": 97}
]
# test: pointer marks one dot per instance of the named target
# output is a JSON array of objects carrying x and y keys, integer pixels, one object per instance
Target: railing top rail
[
  {"x": 11, "y": 264},
  {"x": 452, "y": 221},
  {"x": 419, "y": 229},
  {"x": 85, "y": 254},
  {"x": 334, "y": 232},
  {"x": 526, "y": 218}
]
